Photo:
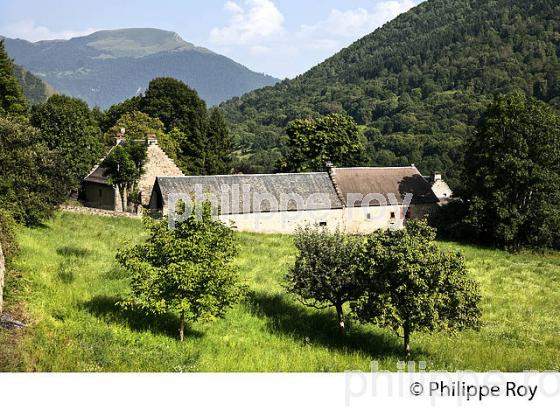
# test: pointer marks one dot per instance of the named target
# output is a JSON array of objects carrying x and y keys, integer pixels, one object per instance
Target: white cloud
[
  {"x": 28, "y": 30},
  {"x": 260, "y": 20},
  {"x": 257, "y": 35},
  {"x": 233, "y": 7},
  {"x": 341, "y": 26}
]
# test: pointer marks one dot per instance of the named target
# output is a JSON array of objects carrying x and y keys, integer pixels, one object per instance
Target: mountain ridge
[{"x": 108, "y": 66}]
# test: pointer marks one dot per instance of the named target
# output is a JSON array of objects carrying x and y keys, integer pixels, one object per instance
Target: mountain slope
[
  {"x": 108, "y": 66},
  {"x": 420, "y": 82},
  {"x": 35, "y": 89}
]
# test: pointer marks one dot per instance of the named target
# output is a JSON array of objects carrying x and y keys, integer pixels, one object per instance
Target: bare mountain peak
[
  {"x": 137, "y": 42},
  {"x": 108, "y": 66}
]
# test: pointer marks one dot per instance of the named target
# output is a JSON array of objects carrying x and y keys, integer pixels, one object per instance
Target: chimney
[
  {"x": 436, "y": 176},
  {"x": 120, "y": 135},
  {"x": 152, "y": 139}
]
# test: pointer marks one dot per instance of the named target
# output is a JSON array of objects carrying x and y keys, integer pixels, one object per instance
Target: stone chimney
[
  {"x": 152, "y": 139},
  {"x": 120, "y": 136}
]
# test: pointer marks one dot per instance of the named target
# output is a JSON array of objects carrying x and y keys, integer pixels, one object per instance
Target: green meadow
[{"x": 65, "y": 283}]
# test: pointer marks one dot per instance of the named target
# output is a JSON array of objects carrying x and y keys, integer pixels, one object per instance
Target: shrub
[
  {"x": 410, "y": 285},
  {"x": 186, "y": 270},
  {"x": 324, "y": 273}
]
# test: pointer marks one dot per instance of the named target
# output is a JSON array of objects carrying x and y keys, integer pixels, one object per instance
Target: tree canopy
[
  {"x": 219, "y": 144},
  {"x": 410, "y": 285},
  {"x": 31, "y": 181},
  {"x": 314, "y": 142},
  {"x": 512, "y": 174},
  {"x": 69, "y": 129},
  {"x": 187, "y": 270},
  {"x": 12, "y": 100}
]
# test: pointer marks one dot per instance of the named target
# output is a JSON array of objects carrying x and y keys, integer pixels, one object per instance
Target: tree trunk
[
  {"x": 121, "y": 193},
  {"x": 406, "y": 341},
  {"x": 182, "y": 327},
  {"x": 340, "y": 315}
]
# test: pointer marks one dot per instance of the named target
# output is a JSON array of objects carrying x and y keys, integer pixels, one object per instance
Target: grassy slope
[{"x": 68, "y": 281}]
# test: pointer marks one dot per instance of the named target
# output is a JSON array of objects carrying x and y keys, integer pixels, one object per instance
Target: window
[
  {"x": 368, "y": 216},
  {"x": 392, "y": 215},
  {"x": 100, "y": 193},
  {"x": 322, "y": 223}
]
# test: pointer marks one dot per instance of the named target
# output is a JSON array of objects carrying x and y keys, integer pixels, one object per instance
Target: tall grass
[{"x": 68, "y": 282}]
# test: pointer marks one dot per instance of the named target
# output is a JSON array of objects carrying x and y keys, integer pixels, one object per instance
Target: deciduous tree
[
  {"x": 30, "y": 177},
  {"x": 121, "y": 171},
  {"x": 324, "y": 273},
  {"x": 410, "y": 285},
  {"x": 179, "y": 106},
  {"x": 314, "y": 142},
  {"x": 70, "y": 130},
  {"x": 187, "y": 270},
  {"x": 512, "y": 174}
]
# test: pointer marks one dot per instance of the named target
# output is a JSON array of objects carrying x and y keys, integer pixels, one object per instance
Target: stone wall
[
  {"x": 101, "y": 212},
  {"x": 158, "y": 164},
  {"x": 359, "y": 220},
  {"x": 2, "y": 272}
]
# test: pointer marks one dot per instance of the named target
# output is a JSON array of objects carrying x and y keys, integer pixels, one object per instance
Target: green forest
[
  {"x": 34, "y": 89},
  {"x": 417, "y": 86}
]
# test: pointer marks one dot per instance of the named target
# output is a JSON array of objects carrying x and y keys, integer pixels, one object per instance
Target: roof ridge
[
  {"x": 405, "y": 167},
  {"x": 98, "y": 165},
  {"x": 248, "y": 175}
]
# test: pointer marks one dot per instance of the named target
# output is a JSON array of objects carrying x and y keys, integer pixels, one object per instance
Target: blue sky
[{"x": 283, "y": 38}]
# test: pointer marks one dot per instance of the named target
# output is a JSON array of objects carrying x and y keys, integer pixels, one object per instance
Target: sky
[{"x": 282, "y": 38}]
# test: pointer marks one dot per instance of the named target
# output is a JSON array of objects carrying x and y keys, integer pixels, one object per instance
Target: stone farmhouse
[
  {"x": 357, "y": 200},
  {"x": 98, "y": 193}
]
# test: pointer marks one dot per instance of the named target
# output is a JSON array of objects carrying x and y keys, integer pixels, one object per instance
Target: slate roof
[
  {"x": 96, "y": 174},
  {"x": 265, "y": 193},
  {"x": 397, "y": 181},
  {"x": 97, "y": 177}
]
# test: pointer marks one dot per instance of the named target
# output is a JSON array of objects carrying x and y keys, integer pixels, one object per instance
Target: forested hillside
[
  {"x": 35, "y": 89},
  {"x": 418, "y": 84}
]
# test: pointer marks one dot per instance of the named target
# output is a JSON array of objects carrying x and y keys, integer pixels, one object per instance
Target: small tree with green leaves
[
  {"x": 324, "y": 273},
  {"x": 121, "y": 171},
  {"x": 187, "y": 270},
  {"x": 410, "y": 285}
]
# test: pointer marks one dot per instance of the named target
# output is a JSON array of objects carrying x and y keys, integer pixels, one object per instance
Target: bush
[
  {"x": 324, "y": 274},
  {"x": 410, "y": 285},
  {"x": 187, "y": 270},
  {"x": 8, "y": 234}
]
